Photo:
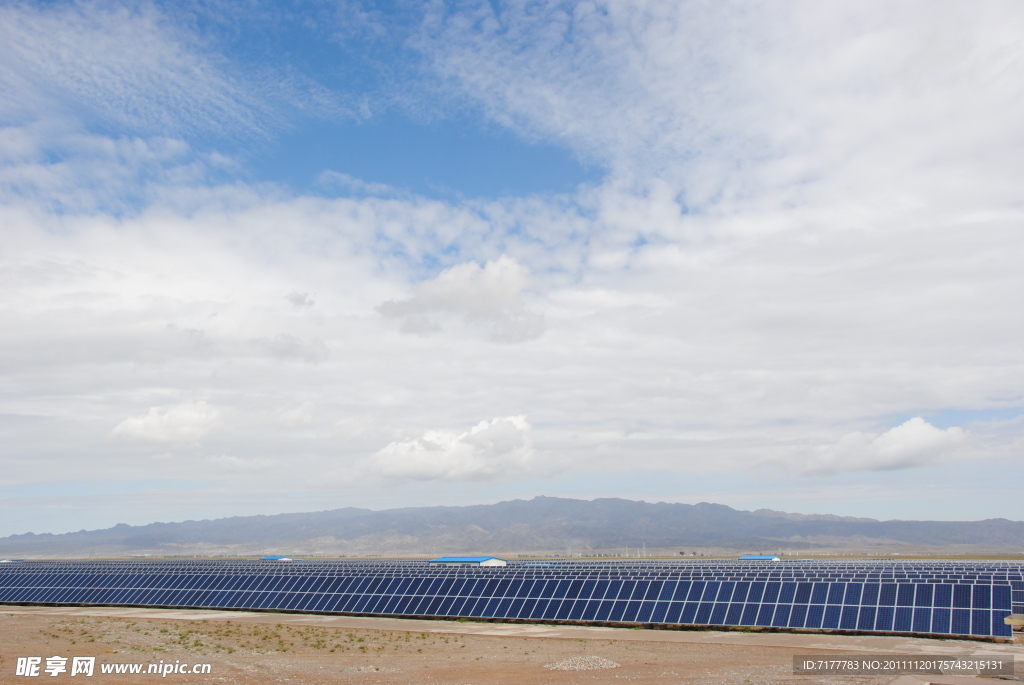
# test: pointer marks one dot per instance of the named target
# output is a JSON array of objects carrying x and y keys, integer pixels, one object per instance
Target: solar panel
[{"x": 917, "y": 597}]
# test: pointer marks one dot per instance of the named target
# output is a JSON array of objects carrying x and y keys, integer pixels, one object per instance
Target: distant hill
[{"x": 542, "y": 524}]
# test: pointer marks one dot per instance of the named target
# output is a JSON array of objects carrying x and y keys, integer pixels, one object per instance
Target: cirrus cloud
[{"x": 127, "y": 65}]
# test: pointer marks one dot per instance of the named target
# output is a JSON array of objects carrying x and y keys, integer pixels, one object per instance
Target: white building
[{"x": 468, "y": 561}]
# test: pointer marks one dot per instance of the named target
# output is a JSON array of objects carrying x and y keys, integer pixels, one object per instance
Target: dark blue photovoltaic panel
[{"x": 916, "y": 597}]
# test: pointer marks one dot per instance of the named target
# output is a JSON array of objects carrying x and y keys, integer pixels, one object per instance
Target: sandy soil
[{"x": 279, "y": 648}]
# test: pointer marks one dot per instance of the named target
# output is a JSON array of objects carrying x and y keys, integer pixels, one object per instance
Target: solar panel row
[
  {"x": 975, "y": 603},
  {"x": 814, "y": 570}
]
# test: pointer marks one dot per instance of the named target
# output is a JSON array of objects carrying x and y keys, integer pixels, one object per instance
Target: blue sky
[
  {"x": 448, "y": 160},
  {"x": 283, "y": 257}
]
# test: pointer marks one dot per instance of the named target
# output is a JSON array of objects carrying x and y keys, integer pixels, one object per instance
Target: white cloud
[
  {"x": 184, "y": 422},
  {"x": 915, "y": 443},
  {"x": 362, "y": 428},
  {"x": 731, "y": 103},
  {"x": 491, "y": 449},
  {"x": 812, "y": 216},
  {"x": 57, "y": 165},
  {"x": 296, "y": 417},
  {"x": 354, "y": 185},
  {"x": 284, "y": 346},
  {"x": 300, "y": 300},
  {"x": 226, "y": 463},
  {"x": 488, "y": 296},
  {"x": 129, "y": 66}
]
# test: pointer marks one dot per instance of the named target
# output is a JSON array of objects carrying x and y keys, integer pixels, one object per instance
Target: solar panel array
[{"x": 933, "y": 597}]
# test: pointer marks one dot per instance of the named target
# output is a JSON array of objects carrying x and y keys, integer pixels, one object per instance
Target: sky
[{"x": 293, "y": 255}]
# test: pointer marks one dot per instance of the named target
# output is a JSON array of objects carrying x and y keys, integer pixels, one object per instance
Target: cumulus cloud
[
  {"x": 489, "y": 297},
  {"x": 912, "y": 444},
  {"x": 184, "y": 422},
  {"x": 489, "y": 450}
]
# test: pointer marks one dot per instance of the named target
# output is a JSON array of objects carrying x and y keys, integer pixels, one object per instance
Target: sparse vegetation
[{"x": 281, "y": 652}]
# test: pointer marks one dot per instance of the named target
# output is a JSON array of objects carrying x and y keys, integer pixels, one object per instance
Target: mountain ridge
[{"x": 541, "y": 524}]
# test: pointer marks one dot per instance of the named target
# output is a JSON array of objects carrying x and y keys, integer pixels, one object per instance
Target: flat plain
[{"x": 250, "y": 648}]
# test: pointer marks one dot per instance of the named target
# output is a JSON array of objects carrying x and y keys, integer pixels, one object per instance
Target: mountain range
[{"x": 542, "y": 525}]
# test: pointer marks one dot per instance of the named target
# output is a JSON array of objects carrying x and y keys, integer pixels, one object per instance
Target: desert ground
[{"x": 250, "y": 648}]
